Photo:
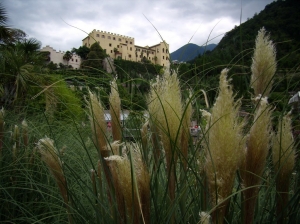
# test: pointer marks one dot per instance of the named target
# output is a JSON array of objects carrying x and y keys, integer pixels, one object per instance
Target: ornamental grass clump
[
  {"x": 132, "y": 186},
  {"x": 258, "y": 140},
  {"x": 115, "y": 111},
  {"x": 165, "y": 109},
  {"x": 258, "y": 145},
  {"x": 225, "y": 147},
  {"x": 49, "y": 154},
  {"x": 263, "y": 64},
  {"x": 284, "y": 162}
]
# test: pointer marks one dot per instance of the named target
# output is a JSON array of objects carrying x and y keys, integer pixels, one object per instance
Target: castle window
[
  {"x": 130, "y": 42},
  {"x": 76, "y": 60},
  {"x": 131, "y": 48},
  {"x": 85, "y": 44},
  {"x": 114, "y": 38},
  {"x": 163, "y": 57},
  {"x": 109, "y": 37},
  {"x": 110, "y": 44},
  {"x": 163, "y": 50},
  {"x": 97, "y": 35},
  {"x": 119, "y": 39},
  {"x": 126, "y": 41},
  {"x": 110, "y": 51},
  {"x": 130, "y": 55},
  {"x": 167, "y": 51},
  {"x": 103, "y": 36}
]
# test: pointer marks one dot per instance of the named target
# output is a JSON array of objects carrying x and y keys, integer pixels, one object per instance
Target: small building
[{"x": 57, "y": 57}]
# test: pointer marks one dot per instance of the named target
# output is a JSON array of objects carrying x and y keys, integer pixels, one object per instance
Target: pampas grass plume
[
  {"x": 49, "y": 155},
  {"x": 258, "y": 144},
  {"x": 98, "y": 124},
  {"x": 115, "y": 111},
  {"x": 263, "y": 64},
  {"x": 224, "y": 147}
]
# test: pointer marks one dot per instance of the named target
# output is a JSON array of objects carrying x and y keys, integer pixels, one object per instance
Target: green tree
[
  {"x": 7, "y": 34},
  {"x": 67, "y": 56},
  {"x": 20, "y": 65},
  {"x": 94, "y": 57},
  {"x": 82, "y": 51}
]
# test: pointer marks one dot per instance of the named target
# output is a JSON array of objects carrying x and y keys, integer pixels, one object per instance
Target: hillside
[
  {"x": 281, "y": 20},
  {"x": 190, "y": 51}
]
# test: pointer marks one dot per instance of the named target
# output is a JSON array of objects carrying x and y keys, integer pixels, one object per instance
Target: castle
[{"x": 120, "y": 46}]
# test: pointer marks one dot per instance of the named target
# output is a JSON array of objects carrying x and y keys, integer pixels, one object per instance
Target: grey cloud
[{"x": 176, "y": 20}]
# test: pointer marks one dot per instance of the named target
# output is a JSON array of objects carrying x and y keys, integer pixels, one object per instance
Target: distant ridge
[{"x": 190, "y": 51}]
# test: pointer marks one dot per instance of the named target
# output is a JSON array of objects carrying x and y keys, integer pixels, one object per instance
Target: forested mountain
[
  {"x": 235, "y": 51},
  {"x": 280, "y": 19},
  {"x": 190, "y": 51}
]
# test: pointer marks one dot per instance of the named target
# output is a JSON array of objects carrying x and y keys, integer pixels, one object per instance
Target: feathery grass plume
[
  {"x": 143, "y": 183},
  {"x": 115, "y": 110},
  {"x": 284, "y": 162},
  {"x": 121, "y": 177},
  {"x": 225, "y": 147},
  {"x": 263, "y": 64},
  {"x": 153, "y": 108},
  {"x": 98, "y": 124},
  {"x": 115, "y": 147},
  {"x": 25, "y": 133},
  {"x": 204, "y": 218},
  {"x": 131, "y": 186},
  {"x": 2, "y": 113},
  {"x": 258, "y": 144},
  {"x": 49, "y": 154},
  {"x": 165, "y": 106}
]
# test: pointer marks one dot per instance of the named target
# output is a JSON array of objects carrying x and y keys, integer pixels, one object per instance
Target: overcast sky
[{"x": 176, "y": 20}]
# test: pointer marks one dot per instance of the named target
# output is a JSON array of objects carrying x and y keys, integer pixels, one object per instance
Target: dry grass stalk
[
  {"x": 185, "y": 135},
  {"x": 49, "y": 155},
  {"x": 258, "y": 144},
  {"x": 284, "y": 162},
  {"x": 115, "y": 111},
  {"x": 144, "y": 134},
  {"x": 16, "y": 137},
  {"x": 225, "y": 147},
  {"x": 25, "y": 133},
  {"x": 51, "y": 101},
  {"x": 2, "y": 113},
  {"x": 263, "y": 64},
  {"x": 98, "y": 124}
]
